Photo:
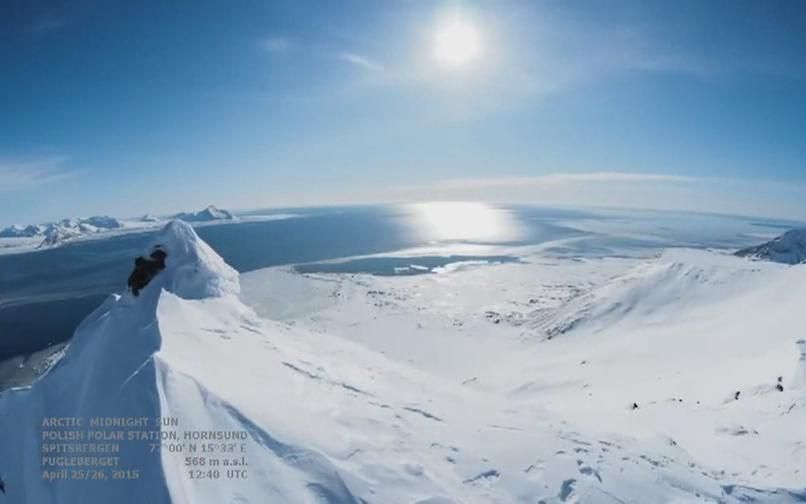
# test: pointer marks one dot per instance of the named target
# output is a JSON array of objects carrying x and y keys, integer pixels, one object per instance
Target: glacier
[{"x": 432, "y": 390}]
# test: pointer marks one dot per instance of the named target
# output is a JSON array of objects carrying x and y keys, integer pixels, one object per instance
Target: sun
[{"x": 457, "y": 43}]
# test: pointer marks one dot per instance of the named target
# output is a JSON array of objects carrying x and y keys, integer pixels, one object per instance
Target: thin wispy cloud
[
  {"x": 282, "y": 45},
  {"x": 360, "y": 61},
  {"x": 558, "y": 179},
  {"x": 46, "y": 25},
  {"x": 16, "y": 174},
  {"x": 275, "y": 44}
]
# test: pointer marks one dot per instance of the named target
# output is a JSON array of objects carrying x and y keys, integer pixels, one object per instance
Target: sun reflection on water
[{"x": 463, "y": 221}]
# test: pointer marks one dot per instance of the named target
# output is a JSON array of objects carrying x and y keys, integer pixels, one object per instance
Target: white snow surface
[{"x": 442, "y": 388}]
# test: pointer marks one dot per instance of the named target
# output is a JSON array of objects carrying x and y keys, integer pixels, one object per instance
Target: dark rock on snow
[{"x": 146, "y": 268}]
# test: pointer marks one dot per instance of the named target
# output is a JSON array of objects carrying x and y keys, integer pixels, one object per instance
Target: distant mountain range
[
  {"x": 17, "y": 231},
  {"x": 789, "y": 248},
  {"x": 77, "y": 226},
  {"x": 56, "y": 233}
]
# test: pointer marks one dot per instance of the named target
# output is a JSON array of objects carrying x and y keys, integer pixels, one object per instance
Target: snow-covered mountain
[
  {"x": 102, "y": 222},
  {"x": 17, "y": 231},
  {"x": 211, "y": 213},
  {"x": 789, "y": 248},
  {"x": 93, "y": 224},
  {"x": 67, "y": 229},
  {"x": 353, "y": 388},
  {"x": 57, "y": 234}
]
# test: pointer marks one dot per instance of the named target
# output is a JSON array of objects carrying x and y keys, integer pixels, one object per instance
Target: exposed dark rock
[{"x": 145, "y": 268}]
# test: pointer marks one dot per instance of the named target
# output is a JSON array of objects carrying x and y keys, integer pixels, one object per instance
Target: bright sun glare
[
  {"x": 459, "y": 220},
  {"x": 457, "y": 43}
]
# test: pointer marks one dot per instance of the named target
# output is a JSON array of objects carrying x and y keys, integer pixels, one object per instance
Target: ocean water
[{"x": 45, "y": 294}]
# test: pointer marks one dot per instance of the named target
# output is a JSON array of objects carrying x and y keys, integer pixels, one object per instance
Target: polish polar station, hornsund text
[{"x": 113, "y": 448}]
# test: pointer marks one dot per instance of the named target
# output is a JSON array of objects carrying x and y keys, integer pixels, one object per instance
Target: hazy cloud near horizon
[
  {"x": 629, "y": 190},
  {"x": 19, "y": 174}
]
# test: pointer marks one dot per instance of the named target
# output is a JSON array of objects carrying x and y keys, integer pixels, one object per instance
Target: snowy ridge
[
  {"x": 789, "y": 248},
  {"x": 108, "y": 370},
  {"x": 113, "y": 367},
  {"x": 328, "y": 419},
  {"x": 193, "y": 270}
]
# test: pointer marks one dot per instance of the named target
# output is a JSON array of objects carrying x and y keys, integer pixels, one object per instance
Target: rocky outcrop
[{"x": 146, "y": 268}]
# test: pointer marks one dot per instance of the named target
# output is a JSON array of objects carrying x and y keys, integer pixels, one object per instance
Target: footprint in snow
[
  {"x": 567, "y": 489},
  {"x": 250, "y": 329},
  {"x": 488, "y": 477},
  {"x": 736, "y": 430},
  {"x": 536, "y": 470},
  {"x": 436, "y": 499},
  {"x": 587, "y": 470},
  {"x": 423, "y": 413}
]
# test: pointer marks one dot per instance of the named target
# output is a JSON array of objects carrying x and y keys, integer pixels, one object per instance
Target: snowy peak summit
[
  {"x": 789, "y": 248},
  {"x": 193, "y": 270}
]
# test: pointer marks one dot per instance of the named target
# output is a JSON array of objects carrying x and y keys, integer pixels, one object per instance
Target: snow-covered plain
[{"x": 559, "y": 378}]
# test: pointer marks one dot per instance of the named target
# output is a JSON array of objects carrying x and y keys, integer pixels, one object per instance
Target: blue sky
[{"x": 126, "y": 107}]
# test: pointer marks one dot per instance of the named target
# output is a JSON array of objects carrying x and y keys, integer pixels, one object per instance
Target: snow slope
[
  {"x": 678, "y": 335},
  {"x": 332, "y": 418},
  {"x": 652, "y": 293}
]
